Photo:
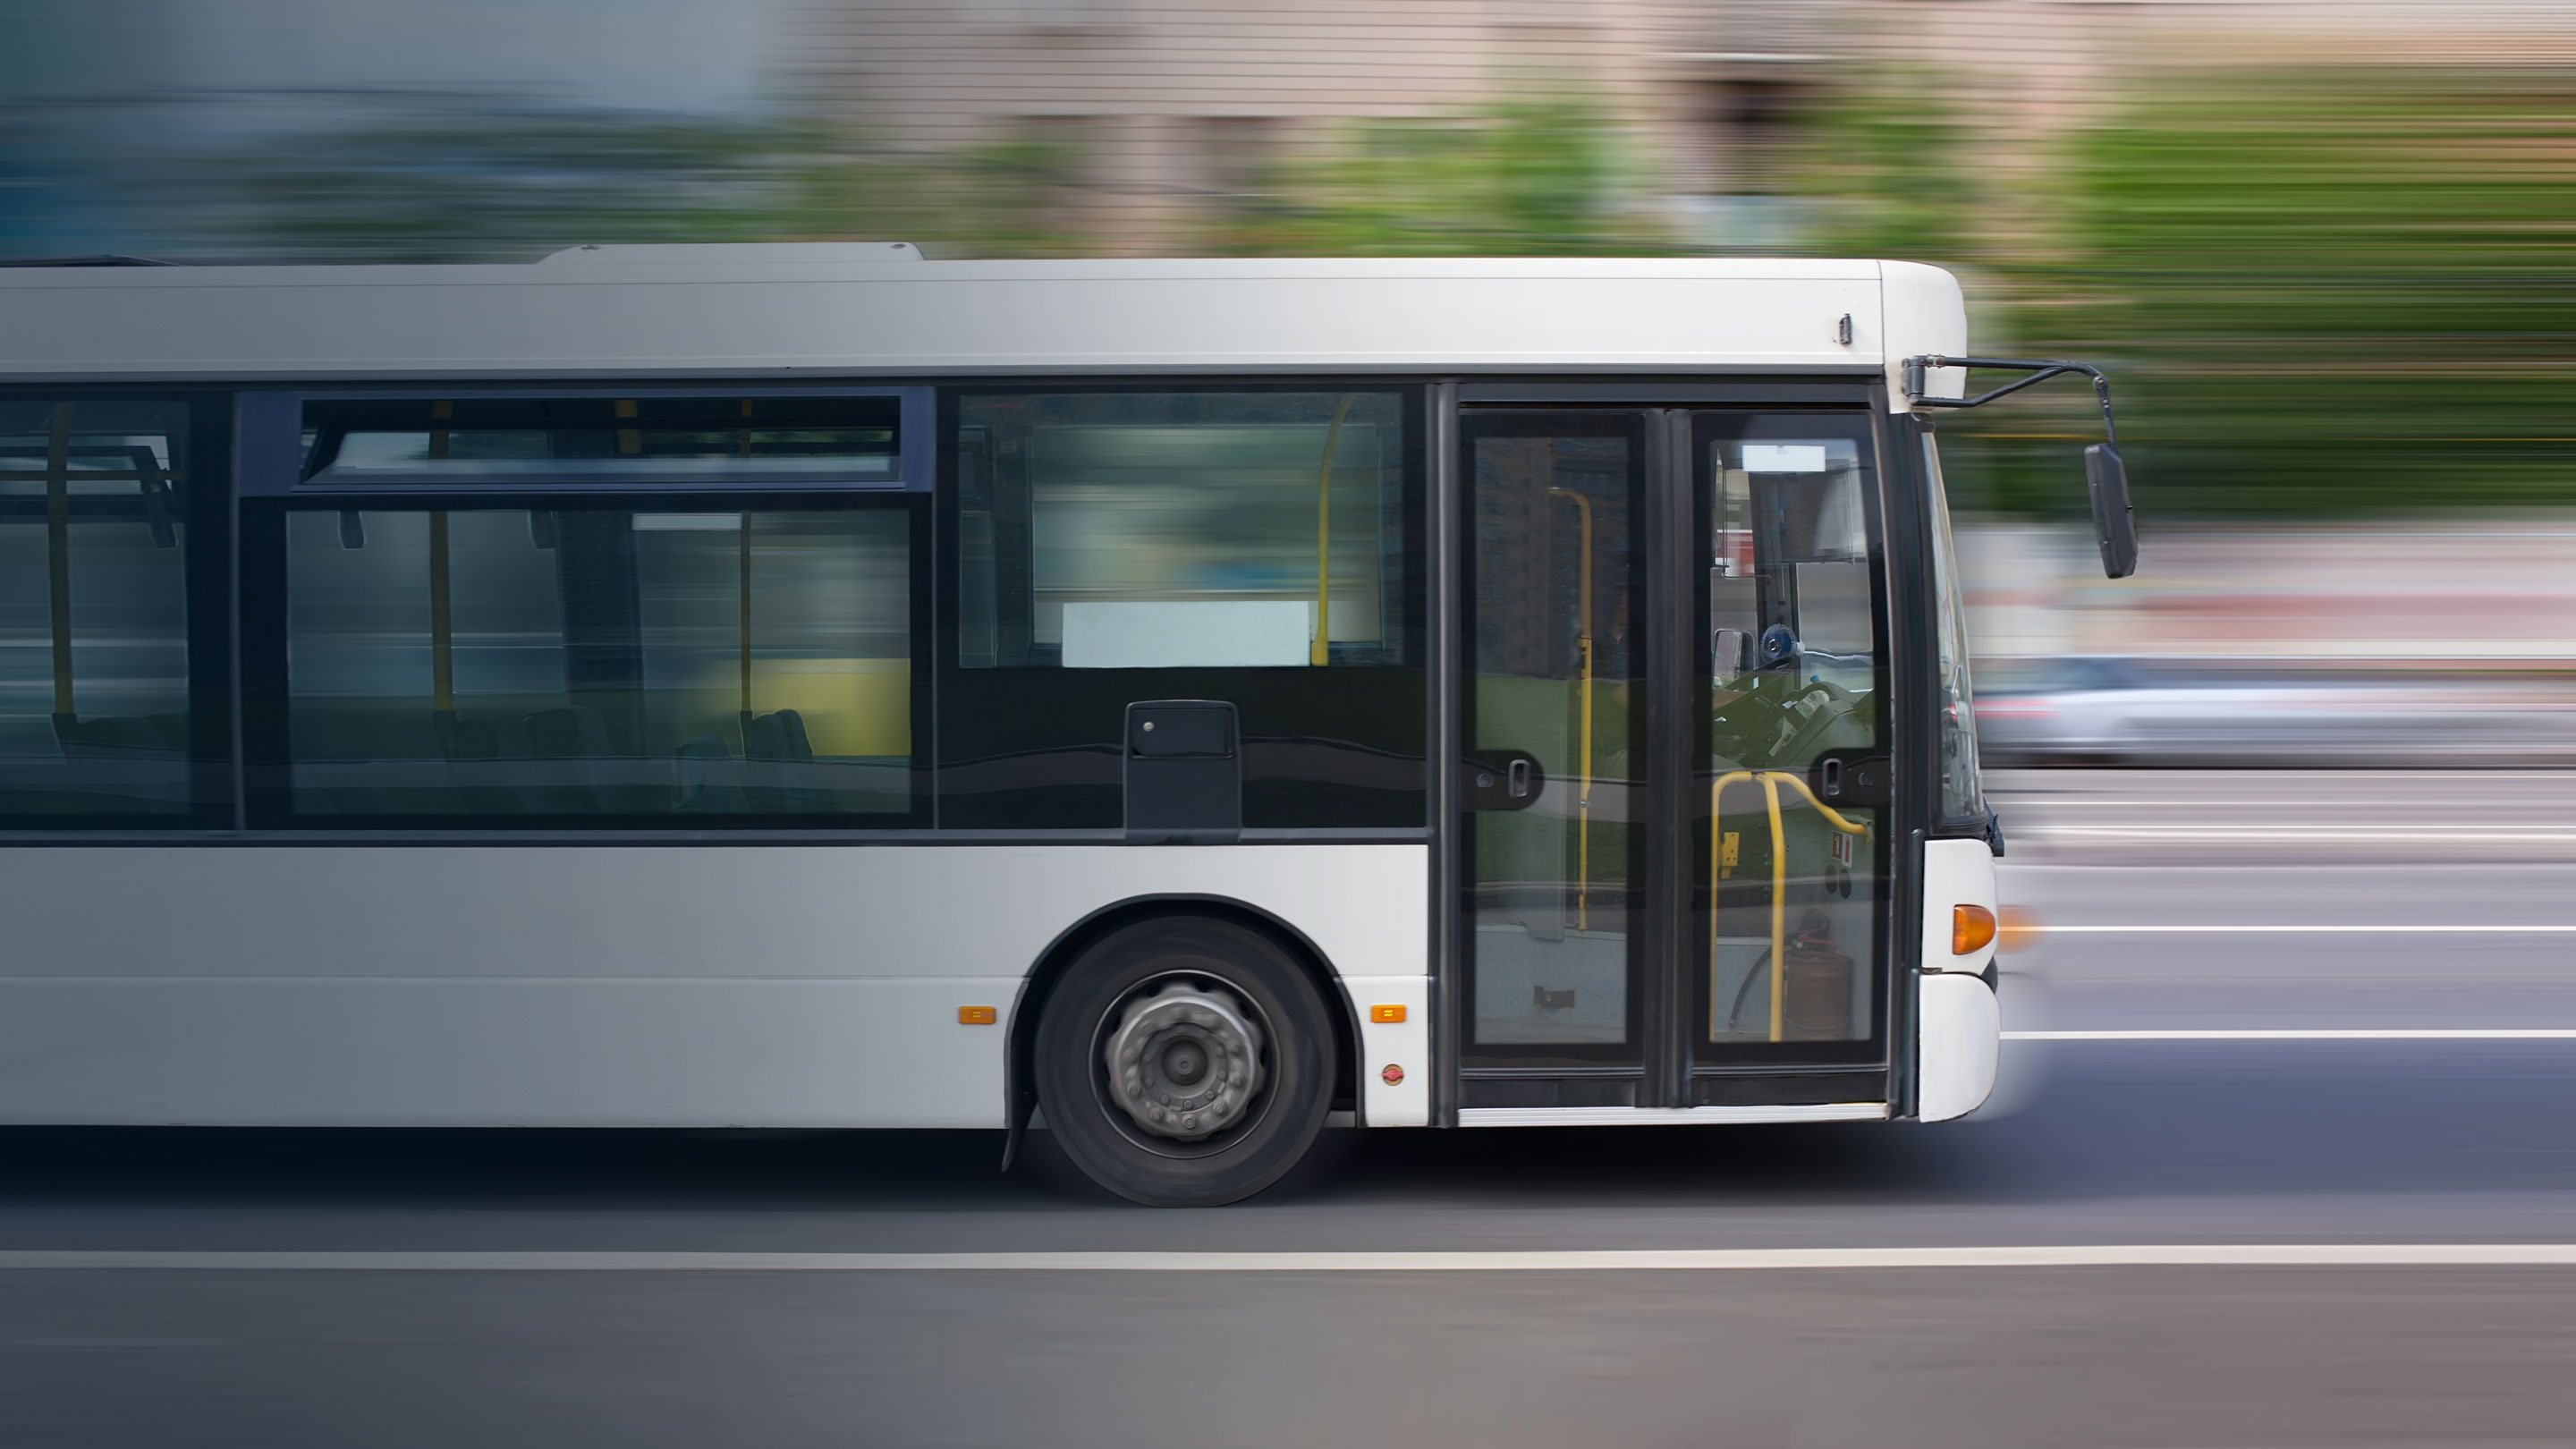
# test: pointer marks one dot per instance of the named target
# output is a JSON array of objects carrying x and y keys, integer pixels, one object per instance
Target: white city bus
[{"x": 1174, "y": 704}]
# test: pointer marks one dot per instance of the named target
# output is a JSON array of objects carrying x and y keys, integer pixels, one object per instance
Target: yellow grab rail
[
  {"x": 1583, "y": 727},
  {"x": 743, "y": 611},
  {"x": 442, "y": 632},
  {"x": 742, "y": 551},
  {"x": 1320, "y": 653},
  {"x": 58, "y": 554},
  {"x": 1770, "y": 781}
]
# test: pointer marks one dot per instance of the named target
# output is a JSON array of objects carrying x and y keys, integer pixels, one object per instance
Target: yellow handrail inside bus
[
  {"x": 745, "y": 551},
  {"x": 1320, "y": 652},
  {"x": 442, "y": 638},
  {"x": 58, "y": 553},
  {"x": 442, "y": 635},
  {"x": 1771, "y": 781},
  {"x": 1583, "y": 726}
]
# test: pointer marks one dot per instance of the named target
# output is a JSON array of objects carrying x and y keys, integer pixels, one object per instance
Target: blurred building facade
[
  {"x": 1175, "y": 113},
  {"x": 1169, "y": 115}
]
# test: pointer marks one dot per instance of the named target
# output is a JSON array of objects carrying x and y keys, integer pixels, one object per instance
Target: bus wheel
[{"x": 1185, "y": 1062}]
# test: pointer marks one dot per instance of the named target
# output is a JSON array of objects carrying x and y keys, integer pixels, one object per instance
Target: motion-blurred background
[
  {"x": 2326, "y": 250},
  {"x": 2326, "y": 247}
]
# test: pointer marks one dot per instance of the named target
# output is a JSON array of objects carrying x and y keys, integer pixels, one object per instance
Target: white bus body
[{"x": 219, "y": 959}]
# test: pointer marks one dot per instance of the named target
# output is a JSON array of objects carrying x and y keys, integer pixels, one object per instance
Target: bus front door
[{"x": 1673, "y": 624}]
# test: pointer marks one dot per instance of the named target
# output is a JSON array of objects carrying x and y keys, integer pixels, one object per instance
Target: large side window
[
  {"x": 96, "y": 721},
  {"x": 587, "y": 661},
  {"x": 1256, "y": 546}
]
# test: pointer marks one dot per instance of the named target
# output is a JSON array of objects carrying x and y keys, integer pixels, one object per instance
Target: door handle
[
  {"x": 1501, "y": 781},
  {"x": 1851, "y": 779}
]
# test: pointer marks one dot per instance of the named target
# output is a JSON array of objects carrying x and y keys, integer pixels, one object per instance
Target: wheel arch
[{"x": 1020, "y": 1097}]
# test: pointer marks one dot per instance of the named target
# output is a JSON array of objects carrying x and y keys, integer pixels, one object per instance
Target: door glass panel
[
  {"x": 1793, "y": 784},
  {"x": 1555, "y": 736}
]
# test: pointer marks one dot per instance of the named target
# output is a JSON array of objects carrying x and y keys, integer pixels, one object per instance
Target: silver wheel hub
[{"x": 1185, "y": 1062}]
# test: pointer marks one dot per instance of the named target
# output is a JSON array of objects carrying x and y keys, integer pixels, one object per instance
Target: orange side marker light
[
  {"x": 977, "y": 1016},
  {"x": 1386, "y": 1015},
  {"x": 1971, "y": 928}
]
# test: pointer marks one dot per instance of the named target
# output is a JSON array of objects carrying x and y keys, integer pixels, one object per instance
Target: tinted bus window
[
  {"x": 94, "y": 699},
  {"x": 1257, "y": 547},
  {"x": 507, "y": 665}
]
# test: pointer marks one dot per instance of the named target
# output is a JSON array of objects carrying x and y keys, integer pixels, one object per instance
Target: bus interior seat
[{"x": 778, "y": 737}]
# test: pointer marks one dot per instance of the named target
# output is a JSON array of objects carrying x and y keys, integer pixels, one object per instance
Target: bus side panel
[{"x": 607, "y": 985}]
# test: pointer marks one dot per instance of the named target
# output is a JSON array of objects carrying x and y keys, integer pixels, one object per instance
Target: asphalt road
[{"x": 2338, "y": 1145}]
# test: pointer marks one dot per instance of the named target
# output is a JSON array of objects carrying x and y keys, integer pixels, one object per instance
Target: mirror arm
[
  {"x": 1917, "y": 368},
  {"x": 2106, "y": 478}
]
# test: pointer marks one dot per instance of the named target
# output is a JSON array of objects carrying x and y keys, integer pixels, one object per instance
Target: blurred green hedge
[{"x": 2323, "y": 292}]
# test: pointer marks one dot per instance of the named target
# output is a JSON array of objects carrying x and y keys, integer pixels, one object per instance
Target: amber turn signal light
[
  {"x": 1384, "y": 1015},
  {"x": 977, "y": 1016},
  {"x": 1971, "y": 929}
]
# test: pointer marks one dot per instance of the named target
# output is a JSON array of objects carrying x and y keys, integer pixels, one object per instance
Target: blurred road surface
[{"x": 2123, "y": 1140}]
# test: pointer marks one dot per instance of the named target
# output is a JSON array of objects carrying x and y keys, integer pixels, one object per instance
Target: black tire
[{"x": 1202, "y": 955}]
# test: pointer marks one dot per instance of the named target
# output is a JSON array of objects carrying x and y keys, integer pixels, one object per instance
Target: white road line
[
  {"x": 2434, "y": 1033},
  {"x": 2294, "y": 777},
  {"x": 2032, "y": 804},
  {"x": 2204, "y": 929},
  {"x": 2259, "y": 833},
  {"x": 2019, "y": 865},
  {"x": 2132, "y": 1255}
]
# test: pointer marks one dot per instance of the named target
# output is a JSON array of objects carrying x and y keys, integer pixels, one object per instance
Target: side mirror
[{"x": 2115, "y": 524}]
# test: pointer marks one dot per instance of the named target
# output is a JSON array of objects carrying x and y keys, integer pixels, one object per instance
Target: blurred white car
[{"x": 2107, "y": 710}]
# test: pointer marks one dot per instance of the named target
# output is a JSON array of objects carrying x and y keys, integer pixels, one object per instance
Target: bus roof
[{"x": 786, "y": 311}]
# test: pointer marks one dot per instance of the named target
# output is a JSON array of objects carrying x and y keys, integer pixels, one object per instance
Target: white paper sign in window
[
  {"x": 1784, "y": 458},
  {"x": 1197, "y": 634}
]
